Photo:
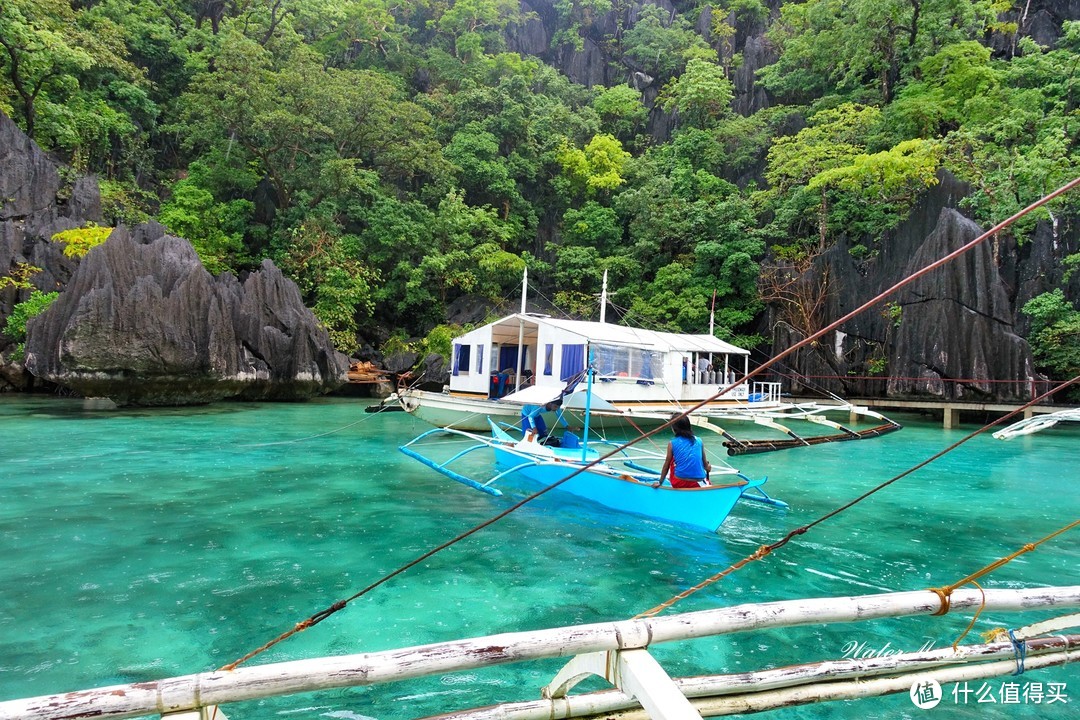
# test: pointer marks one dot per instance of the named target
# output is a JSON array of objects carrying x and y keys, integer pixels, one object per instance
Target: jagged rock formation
[
  {"x": 599, "y": 62},
  {"x": 139, "y": 320},
  {"x": 35, "y": 204},
  {"x": 956, "y": 323},
  {"x": 1041, "y": 20},
  {"x": 143, "y": 323},
  {"x": 952, "y": 334}
]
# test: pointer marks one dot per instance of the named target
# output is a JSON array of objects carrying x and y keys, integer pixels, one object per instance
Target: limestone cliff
[
  {"x": 952, "y": 334},
  {"x": 143, "y": 323},
  {"x": 139, "y": 319}
]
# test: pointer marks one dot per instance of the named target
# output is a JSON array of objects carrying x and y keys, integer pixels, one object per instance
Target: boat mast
[
  {"x": 521, "y": 327},
  {"x": 712, "y": 313},
  {"x": 603, "y": 298}
]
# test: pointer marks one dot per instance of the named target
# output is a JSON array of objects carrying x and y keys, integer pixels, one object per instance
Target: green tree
[
  {"x": 833, "y": 139},
  {"x": 956, "y": 84},
  {"x": 465, "y": 255},
  {"x": 476, "y": 25},
  {"x": 701, "y": 95},
  {"x": 884, "y": 186},
  {"x": 621, "y": 111},
  {"x": 483, "y": 172},
  {"x": 596, "y": 168},
  {"x": 15, "y": 326},
  {"x": 327, "y": 268},
  {"x": 1055, "y": 333},
  {"x": 862, "y": 49},
  {"x": 593, "y": 225},
  {"x": 662, "y": 44},
  {"x": 51, "y": 55},
  {"x": 292, "y": 123},
  {"x": 215, "y": 229},
  {"x": 1021, "y": 142}
]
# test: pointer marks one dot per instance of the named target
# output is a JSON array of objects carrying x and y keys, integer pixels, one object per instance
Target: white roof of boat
[{"x": 610, "y": 334}]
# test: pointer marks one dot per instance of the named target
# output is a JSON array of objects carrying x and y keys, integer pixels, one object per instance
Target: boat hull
[
  {"x": 701, "y": 508},
  {"x": 467, "y": 413}
]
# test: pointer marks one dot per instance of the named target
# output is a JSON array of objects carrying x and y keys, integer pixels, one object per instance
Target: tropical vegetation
[{"x": 394, "y": 157}]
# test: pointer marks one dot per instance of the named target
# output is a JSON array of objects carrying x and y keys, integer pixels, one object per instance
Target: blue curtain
[
  {"x": 607, "y": 359},
  {"x": 461, "y": 359},
  {"x": 646, "y": 365},
  {"x": 508, "y": 357},
  {"x": 573, "y": 361},
  {"x": 549, "y": 355}
]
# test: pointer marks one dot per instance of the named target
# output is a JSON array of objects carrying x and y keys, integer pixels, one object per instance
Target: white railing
[
  {"x": 765, "y": 392},
  {"x": 635, "y": 671}
]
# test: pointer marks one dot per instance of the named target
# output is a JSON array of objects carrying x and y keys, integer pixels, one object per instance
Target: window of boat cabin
[
  {"x": 508, "y": 358},
  {"x": 479, "y": 359},
  {"x": 461, "y": 359},
  {"x": 549, "y": 357},
  {"x": 625, "y": 362},
  {"x": 573, "y": 361}
]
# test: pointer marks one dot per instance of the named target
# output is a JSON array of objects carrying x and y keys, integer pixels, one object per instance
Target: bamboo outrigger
[{"x": 619, "y": 652}]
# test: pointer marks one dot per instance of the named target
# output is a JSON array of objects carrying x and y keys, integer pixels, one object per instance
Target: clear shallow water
[{"x": 145, "y": 544}]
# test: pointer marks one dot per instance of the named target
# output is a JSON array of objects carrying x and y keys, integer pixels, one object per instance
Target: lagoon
[{"x": 142, "y": 544}]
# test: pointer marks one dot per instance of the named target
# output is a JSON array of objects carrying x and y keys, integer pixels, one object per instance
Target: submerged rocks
[{"x": 143, "y": 323}]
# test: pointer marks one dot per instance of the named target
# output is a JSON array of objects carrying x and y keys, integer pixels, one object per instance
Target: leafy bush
[
  {"x": 19, "y": 277},
  {"x": 440, "y": 340},
  {"x": 80, "y": 241},
  {"x": 1055, "y": 333},
  {"x": 397, "y": 343},
  {"x": 15, "y": 328}
]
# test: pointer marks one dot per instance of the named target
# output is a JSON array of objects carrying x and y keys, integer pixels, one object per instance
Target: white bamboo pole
[
  {"x": 854, "y": 689},
  {"x": 250, "y": 683},
  {"x": 741, "y": 686}
]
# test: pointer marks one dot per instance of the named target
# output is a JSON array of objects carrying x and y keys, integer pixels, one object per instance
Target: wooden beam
[{"x": 639, "y": 675}]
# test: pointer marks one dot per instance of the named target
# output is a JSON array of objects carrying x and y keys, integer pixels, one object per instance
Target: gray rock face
[
  {"x": 146, "y": 324},
  {"x": 956, "y": 324},
  {"x": 29, "y": 181},
  {"x": 32, "y": 193},
  {"x": 35, "y": 205},
  {"x": 952, "y": 334},
  {"x": 139, "y": 320}
]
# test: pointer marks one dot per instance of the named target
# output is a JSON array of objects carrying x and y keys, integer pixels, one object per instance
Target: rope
[
  {"x": 1020, "y": 650},
  {"x": 946, "y": 591},
  {"x": 764, "y": 550}
]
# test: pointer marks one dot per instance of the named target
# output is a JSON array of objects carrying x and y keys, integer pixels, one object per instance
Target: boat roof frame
[{"x": 606, "y": 334}]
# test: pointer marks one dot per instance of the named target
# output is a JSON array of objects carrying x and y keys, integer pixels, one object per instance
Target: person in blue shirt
[
  {"x": 685, "y": 458},
  {"x": 532, "y": 419}
]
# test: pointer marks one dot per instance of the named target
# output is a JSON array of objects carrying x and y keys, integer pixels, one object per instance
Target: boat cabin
[{"x": 632, "y": 364}]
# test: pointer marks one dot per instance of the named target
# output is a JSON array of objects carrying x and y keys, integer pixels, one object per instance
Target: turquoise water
[{"x": 145, "y": 544}]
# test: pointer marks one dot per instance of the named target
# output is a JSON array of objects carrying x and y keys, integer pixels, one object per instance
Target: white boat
[{"x": 646, "y": 375}]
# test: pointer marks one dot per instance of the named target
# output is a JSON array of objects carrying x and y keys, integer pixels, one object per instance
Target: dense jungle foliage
[{"x": 392, "y": 157}]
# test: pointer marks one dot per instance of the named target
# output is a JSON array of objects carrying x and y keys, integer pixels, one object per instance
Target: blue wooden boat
[{"x": 623, "y": 481}]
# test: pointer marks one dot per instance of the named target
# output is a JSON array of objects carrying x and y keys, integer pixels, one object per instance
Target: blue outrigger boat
[{"x": 601, "y": 471}]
